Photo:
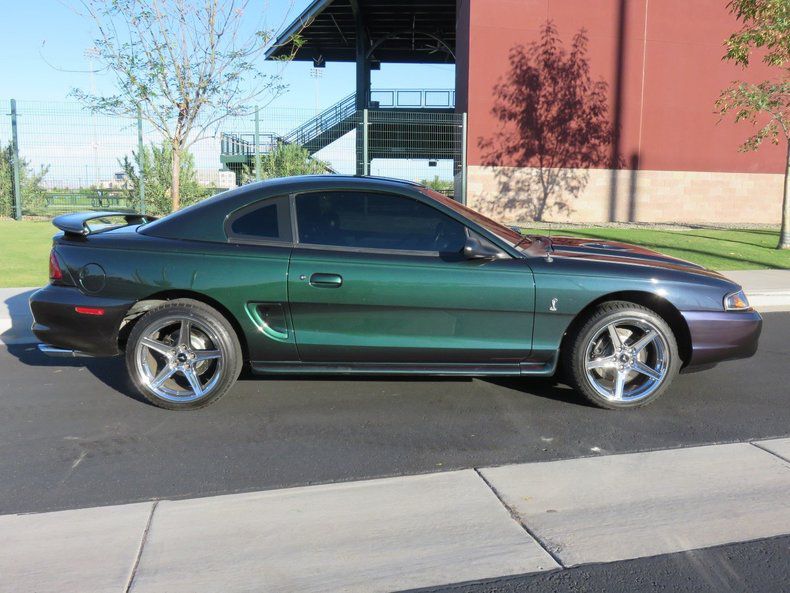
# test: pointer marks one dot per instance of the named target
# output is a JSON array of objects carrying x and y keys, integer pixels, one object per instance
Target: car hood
[{"x": 618, "y": 252}]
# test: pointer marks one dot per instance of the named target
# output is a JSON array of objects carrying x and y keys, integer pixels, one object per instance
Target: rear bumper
[
  {"x": 717, "y": 336},
  {"x": 56, "y": 321}
]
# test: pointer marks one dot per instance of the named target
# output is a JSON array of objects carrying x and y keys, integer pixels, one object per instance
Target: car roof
[
  {"x": 309, "y": 180},
  {"x": 200, "y": 221}
]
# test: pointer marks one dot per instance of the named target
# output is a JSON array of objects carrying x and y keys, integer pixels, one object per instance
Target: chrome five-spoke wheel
[
  {"x": 623, "y": 355},
  {"x": 627, "y": 360},
  {"x": 179, "y": 359},
  {"x": 183, "y": 355}
]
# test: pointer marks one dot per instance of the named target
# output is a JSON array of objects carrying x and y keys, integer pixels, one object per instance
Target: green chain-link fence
[{"x": 59, "y": 157}]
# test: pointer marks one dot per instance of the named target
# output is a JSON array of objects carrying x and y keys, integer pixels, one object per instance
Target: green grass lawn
[
  {"x": 25, "y": 245},
  {"x": 716, "y": 249},
  {"x": 24, "y": 252}
]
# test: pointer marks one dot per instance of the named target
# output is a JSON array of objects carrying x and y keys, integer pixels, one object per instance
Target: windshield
[{"x": 511, "y": 236}]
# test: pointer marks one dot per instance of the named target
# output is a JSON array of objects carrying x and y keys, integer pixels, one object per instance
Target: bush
[
  {"x": 436, "y": 184},
  {"x": 286, "y": 160},
  {"x": 156, "y": 166},
  {"x": 33, "y": 194}
]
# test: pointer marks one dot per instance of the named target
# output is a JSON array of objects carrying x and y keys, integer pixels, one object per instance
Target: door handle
[{"x": 326, "y": 280}]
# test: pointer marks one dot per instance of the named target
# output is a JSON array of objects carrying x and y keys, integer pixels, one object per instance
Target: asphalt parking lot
[{"x": 74, "y": 435}]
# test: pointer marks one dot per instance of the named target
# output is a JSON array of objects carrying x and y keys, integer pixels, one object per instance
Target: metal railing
[
  {"x": 324, "y": 121},
  {"x": 339, "y": 113},
  {"x": 412, "y": 98},
  {"x": 243, "y": 143}
]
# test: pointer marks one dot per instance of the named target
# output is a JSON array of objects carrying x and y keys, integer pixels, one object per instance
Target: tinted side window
[
  {"x": 375, "y": 221},
  {"x": 268, "y": 220},
  {"x": 261, "y": 222}
]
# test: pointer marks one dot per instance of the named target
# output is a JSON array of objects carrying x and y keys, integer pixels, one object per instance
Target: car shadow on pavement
[
  {"x": 112, "y": 372},
  {"x": 15, "y": 316},
  {"x": 109, "y": 370},
  {"x": 545, "y": 387}
]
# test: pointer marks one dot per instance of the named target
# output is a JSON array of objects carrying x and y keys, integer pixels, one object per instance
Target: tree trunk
[
  {"x": 784, "y": 233},
  {"x": 175, "y": 181}
]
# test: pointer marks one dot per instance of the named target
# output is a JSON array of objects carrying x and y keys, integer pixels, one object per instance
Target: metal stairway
[
  {"x": 326, "y": 127},
  {"x": 318, "y": 132},
  {"x": 403, "y": 123}
]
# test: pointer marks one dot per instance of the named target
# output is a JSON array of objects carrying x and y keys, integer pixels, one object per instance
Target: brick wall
[{"x": 513, "y": 194}]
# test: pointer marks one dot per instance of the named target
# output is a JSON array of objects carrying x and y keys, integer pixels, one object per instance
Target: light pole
[
  {"x": 92, "y": 53},
  {"x": 316, "y": 74}
]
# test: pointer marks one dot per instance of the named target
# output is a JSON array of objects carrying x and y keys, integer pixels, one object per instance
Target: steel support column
[
  {"x": 363, "y": 61},
  {"x": 362, "y": 87},
  {"x": 462, "y": 197}
]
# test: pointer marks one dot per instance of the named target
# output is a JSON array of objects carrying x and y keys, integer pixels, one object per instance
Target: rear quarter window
[{"x": 268, "y": 220}]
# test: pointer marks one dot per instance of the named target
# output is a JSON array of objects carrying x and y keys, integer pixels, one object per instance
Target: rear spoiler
[{"x": 77, "y": 223}]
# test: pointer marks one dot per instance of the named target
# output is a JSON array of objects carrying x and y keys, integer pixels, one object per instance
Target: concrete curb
[
  {"x": 412, "y": 531},
  {"x": 770, "y": 301},
  {"x": 15, "y": 316},
  {"x": 768, "y": 290}
]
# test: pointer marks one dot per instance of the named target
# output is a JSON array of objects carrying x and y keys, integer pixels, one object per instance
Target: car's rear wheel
[
  {"x": 183, "y": 355},
  {"x": 623, "y": 356}
]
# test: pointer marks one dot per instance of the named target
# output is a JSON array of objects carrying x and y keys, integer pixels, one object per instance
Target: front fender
[{"x": 565, "y": 288}]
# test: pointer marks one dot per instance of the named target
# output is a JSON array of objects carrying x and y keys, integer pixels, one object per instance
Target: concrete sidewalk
[
  {"x": 768, "y": 290},
  {"x": 408, "y": 532},
  {"x": 15, "y": 317}
]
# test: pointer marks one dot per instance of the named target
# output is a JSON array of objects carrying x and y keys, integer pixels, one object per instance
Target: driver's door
[{"x": 380, "y": 277}]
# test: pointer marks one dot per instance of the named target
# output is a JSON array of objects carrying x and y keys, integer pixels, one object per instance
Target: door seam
[{"x": 288, "y": 304}]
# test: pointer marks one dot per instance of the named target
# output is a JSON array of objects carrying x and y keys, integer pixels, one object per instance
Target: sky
[
  {"x": 43, "y": 58},
  {"x": 43, "y": 43}
]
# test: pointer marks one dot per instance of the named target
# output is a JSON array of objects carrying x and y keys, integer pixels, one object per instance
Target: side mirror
[{"x": 476, "y": 247}]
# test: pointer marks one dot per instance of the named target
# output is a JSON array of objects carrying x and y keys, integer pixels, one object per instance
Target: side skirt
[{"x": 437, "y": 370}]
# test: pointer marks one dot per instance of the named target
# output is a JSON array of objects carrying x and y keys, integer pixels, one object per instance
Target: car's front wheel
[
  {"x": 183, "y": 355},
  {"x": 622, "y": 356}
]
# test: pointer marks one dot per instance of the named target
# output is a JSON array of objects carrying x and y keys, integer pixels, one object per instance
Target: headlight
[{"x": 736, "y": 301}]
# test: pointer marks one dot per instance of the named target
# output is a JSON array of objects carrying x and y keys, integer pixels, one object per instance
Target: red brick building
[{"x": 655, "y": 71}]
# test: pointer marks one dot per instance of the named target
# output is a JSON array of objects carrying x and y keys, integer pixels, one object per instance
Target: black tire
[
  {"x": 206, "y": 325},
  {"x": 575, "y": 356}
]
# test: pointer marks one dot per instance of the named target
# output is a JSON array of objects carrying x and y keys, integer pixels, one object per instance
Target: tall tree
[
  {"x": 187, "y": 65},
  {"x": 765, "y": 28}
]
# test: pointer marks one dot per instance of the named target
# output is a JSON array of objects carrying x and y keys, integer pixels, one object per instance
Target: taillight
[{"x": 55, "y": 273}]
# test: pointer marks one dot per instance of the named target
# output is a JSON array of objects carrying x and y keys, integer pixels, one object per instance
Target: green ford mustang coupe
[{"x": 337, "y": 274}]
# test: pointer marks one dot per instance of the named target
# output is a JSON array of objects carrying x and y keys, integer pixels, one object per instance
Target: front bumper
[
  {"x": 56, "y": 321},
  {"x": 717, "y": 336}
]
